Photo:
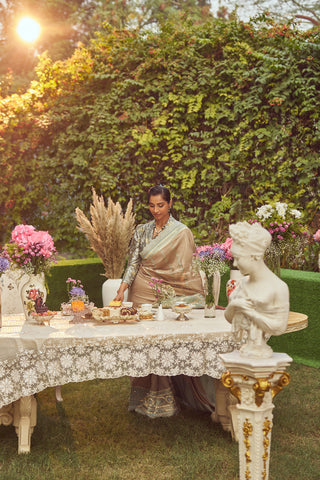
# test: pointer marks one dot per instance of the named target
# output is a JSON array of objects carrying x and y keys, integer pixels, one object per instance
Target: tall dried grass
[{"x": 109, "y": 232}]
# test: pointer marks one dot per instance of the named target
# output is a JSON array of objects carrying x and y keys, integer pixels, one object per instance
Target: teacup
[
  {"x": 127, "y": 304},
  {"x": 146, "y": 307}
]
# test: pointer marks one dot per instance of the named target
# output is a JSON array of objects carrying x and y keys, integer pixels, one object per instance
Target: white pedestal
[
  {"x": 109, "y": 290},
  {"x": 254, "y": 382}
]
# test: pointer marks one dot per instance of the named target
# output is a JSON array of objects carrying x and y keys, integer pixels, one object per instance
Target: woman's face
[{"x": 159, "y": 207}]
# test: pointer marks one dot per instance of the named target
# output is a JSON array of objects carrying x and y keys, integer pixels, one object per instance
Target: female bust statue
[{"x": 260, "y": 305}]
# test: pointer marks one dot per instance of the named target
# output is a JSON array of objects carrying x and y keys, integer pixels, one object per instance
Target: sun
[{"x": 28, "y": 29}]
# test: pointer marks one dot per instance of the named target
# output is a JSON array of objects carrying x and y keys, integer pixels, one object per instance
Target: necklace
[{"x": 156, "y": 231}]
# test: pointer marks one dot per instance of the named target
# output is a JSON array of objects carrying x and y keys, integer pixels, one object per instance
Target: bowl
[
  {"x": 43, "y": 318},
  {"x": 182, "y": 308}
]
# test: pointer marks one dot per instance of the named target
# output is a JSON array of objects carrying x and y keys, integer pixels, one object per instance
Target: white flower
[
  {"x": 139, "y": 359},
  {"x": 53, "y": 368},
  {"x": 6, "y": 386},
  {"x": 154, "y": 353},
  {"x": 295, "y": 213},
  {"x": 80, "y": 349},
  {"x": 109, "y": 360},
  {"x": 30, "y": 376},
  {"x": 167, "y": 359},
  {"x": 183, "y": 353},
  {"x": 281, "y": 209},
  {"x": 124, "y": 354},
  {"x": 24, "y": 362},
  {"x": 95, "y": 356},
  {"x": 197, "y": 359},
  {"x": 16, "y": 376},
  {"x": 265, "y": 211},
  {"x": 168, "y": 344},
  {"x": 66, "y": 361},
  {"x": 82, "y": 364}
]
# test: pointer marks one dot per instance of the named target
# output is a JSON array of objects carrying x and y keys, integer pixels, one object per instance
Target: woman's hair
[{"x": 160, "y": 190}]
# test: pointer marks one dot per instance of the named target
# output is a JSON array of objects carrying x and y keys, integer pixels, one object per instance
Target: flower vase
[
  {"x": 160, "y": 315},
  {"x": 109, "y": 290},
  {"x": 210, "y": 307},
  {"x": 32, "y": 288}
]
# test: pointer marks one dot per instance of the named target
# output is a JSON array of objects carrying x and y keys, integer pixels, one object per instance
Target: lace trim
[{"x": 79, "y": 360}]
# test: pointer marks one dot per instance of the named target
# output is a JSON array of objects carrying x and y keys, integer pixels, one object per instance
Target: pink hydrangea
[
  {"x": 21, "y": 233},
  {"x": 316, "y": 236}
]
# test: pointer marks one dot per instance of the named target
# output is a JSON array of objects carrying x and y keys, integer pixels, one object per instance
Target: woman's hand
[{"x": 120, "y": 293}]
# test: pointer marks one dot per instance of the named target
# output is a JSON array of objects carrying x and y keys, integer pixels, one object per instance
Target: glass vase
[{"x": 210, "y": 308}]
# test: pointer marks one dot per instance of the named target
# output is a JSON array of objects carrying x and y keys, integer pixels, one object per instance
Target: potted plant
[{"x": 109, "y": 233}]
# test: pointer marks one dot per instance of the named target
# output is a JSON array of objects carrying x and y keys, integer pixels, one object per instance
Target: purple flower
[
  {"x": 4, "y": 264},
  {"x": 77, "y": 292}
]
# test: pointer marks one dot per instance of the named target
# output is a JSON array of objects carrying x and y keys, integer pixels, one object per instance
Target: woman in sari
[{"x": 163, "y": 248}]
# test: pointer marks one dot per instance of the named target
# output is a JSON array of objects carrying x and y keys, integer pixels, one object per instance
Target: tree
[
  {"x": 66, "y": 23},
  {"x": 307, "y": 12},
  {"x": 224, "y": 113}
]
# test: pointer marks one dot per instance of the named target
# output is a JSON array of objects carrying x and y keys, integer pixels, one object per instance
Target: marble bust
[{"x": 259, "y": 306}]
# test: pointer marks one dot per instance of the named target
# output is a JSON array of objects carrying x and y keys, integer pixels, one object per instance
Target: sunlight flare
[{"x": 28, "y": 29}]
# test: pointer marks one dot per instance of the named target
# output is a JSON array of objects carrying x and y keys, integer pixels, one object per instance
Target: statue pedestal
[{"x": 254, "y": 382}]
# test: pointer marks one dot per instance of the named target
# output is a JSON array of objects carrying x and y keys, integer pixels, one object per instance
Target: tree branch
[{"x": 309, "y": 19}]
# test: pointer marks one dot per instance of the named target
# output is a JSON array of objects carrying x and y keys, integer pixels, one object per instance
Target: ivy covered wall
[{"x": 225, "y": 114}]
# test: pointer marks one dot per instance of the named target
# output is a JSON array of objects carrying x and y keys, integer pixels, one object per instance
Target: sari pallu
[{"x": 169, "y": 257}]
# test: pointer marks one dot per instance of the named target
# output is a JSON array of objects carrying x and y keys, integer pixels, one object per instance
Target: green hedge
[
  {"x": 303, "y": 345},
  {"x": 89, "y": 271},
  {"x": 304, "y": 289}
]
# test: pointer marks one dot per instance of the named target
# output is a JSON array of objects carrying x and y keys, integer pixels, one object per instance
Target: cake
[{"x": 115, "y": 303}]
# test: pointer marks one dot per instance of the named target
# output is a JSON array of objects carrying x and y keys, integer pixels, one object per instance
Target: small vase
[
  {"x": 209, "y": 311},
  {"x": 210, "y": 307},
  {"x": 160, "y": 315},
  {"x": 109, "y": 290},
  {"x": 32, "y": 288}
]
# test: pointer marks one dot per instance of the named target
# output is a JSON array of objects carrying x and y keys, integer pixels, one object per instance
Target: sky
[{"x": 244, "y": 12}]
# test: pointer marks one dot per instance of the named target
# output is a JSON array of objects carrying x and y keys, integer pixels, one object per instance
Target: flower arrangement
[
  {"x": 288, "y": 233},
  {"x": 4, "y": 265},
  {"x": 79, "y": 305},
  {"x": 164, "y": 294},
  {"x": 210, "y": 260},
  {"x": 31, "y": 250},
  {"x": 76, "y": 291},
  {"x": 226, "y": 246},
  {"x": 109, "y": 233}
]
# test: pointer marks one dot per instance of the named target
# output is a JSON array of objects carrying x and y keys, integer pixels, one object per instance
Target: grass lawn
[{"x": 92, "y": 436}]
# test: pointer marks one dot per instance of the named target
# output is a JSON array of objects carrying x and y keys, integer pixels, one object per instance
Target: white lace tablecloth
[{"x": 34, "y": 357}]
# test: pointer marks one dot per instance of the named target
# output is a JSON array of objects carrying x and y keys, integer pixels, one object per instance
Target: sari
[{"x": 169, "y": 257}]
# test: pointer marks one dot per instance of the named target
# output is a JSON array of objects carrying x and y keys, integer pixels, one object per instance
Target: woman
[{"x": 163, "y": 248}]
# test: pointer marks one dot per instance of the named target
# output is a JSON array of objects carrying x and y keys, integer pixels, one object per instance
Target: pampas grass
[{"x": 109, "y": 232}]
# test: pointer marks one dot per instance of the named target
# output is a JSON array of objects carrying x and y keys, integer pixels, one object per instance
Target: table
[{"x": 34, "y": 357}]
